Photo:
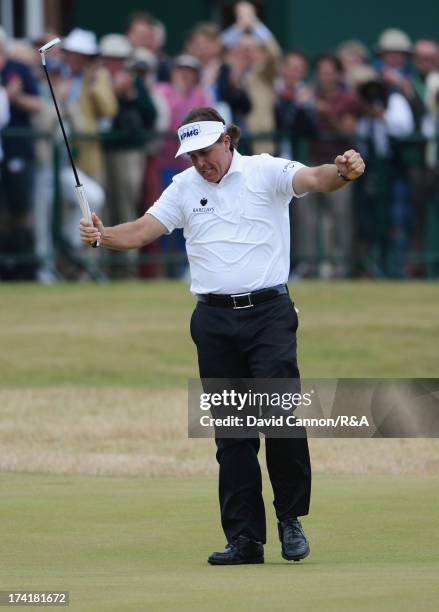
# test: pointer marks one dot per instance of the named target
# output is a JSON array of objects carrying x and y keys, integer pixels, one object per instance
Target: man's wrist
[
  {"x": 105, "y": 239},
  {"x": 343, "y": 177}
]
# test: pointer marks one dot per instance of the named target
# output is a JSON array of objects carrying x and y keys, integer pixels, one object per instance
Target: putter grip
[{"x": 85, "y": 208}]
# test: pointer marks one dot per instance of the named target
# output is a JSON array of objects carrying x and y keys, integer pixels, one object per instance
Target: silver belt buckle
[{"x": 236, "y": 295}]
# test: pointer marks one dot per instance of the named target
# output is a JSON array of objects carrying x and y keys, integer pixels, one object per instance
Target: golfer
[{"x": 234, "y": 213}]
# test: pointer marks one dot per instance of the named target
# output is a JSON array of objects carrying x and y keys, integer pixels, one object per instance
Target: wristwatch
[{"x": 343, "y": 177}]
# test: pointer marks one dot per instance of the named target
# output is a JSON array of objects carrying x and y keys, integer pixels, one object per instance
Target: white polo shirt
[{"x": 237, "y": 231}]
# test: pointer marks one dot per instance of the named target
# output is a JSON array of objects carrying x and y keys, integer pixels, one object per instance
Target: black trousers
[{"x": 257, "y": 342}]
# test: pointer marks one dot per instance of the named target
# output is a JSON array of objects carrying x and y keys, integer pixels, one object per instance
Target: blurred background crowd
[{"x": 122, "y": 97}]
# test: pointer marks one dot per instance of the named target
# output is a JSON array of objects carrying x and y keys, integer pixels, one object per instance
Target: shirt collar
[{"x": 237, "y": 165}]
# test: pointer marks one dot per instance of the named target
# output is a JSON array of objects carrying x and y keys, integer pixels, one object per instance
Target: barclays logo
[{"x": 208, "y": 210}]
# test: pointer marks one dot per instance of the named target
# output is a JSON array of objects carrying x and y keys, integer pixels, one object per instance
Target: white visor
[{"x": 198, "y": 135}]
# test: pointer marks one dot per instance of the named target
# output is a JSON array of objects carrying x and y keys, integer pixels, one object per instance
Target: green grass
[
  {"x": 141, "y": 544},
  {"x": 135, "y": 334},
  {"x": 86, "y": 368}
]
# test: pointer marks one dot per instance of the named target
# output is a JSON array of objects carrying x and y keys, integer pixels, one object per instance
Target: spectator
[
  {"x": 386, "y": 113},
  {"x": 4, "y": 115},
  {"x": 394, "y": 49},
  {"x": 146, "y": 32},
  {"x": 90, "y": 98},
  {"x": 421, "y": 93},
  {"x": 231, "y": 86},
  {"x": 182, "y": 94},
  {"x": 90, "y": 106},
  {"x": 294, "y": 120},
  {"x": 158, "y": 37},
  {"x": 259, "y": 62},
  {"x": 426, "y": 58},
  {"x": 426, "y": 85},
  {"x": 44, "y": 121},
  {"x": 417, "y": 90},
  {"x": 327, "y": 219},
  {"x": 18, "y": 166},
  {"x": 23, "y": 52},
  {"x": 351, "y": 53},
  {"x": 337, "y": 109},
  {"x": 47, "y": 121},
  {"x": 125, "y": 153},
  {"x": 139, "y": 30},
  {"x": 144, "y": 64},
  {"x": 246, "y": 22},
  {"x": 294, "y": 103},
  {"x": 384, "y": 214},
  {"x": 204, "y": 43}
]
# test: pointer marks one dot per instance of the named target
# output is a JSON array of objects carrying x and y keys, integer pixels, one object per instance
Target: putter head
[{"x": 45, "y": 48}]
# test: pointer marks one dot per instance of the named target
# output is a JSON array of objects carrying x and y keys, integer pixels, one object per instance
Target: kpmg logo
[{"x": 194, "y": 130}]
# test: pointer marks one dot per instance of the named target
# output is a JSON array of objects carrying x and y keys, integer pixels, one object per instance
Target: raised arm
[
  {"x": 131, "y": 235},
  {"x": 330, "y": 177}
]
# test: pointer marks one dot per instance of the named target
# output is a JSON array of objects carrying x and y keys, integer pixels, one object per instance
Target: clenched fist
[{"x": 350, "y": 164}]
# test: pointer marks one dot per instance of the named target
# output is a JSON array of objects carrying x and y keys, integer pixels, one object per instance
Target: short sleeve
[
  {"x": 168, "y": 208},
  {"x": 279, "y": 174}
]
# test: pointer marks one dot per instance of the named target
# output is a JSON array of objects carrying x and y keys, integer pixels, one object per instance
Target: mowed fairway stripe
[
  {"x": 138, "y": 431},
  {"x": 137, "y": 334},
  {"x": 133, "y": 544}
]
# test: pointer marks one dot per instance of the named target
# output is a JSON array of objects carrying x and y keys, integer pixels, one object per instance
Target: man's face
[
  {"x": 426, "y": 57},
  {"x": 395, "y": 59},
  {"x": 184, "y": 78},
  {"x": 327, "y": 74},
  {"x": 294, "y": 69},
  {"x": 140, "y": 34},
  {"x": 248, "y": 52},
  {"x": 76, "y": 61},
  {"x": 114, "y": 64},
  {"x": 204, "y": 48},
  {"x": 213, "y": 162}
]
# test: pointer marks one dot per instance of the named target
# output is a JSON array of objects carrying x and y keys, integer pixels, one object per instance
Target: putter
[{"x": 79, "y": 188}]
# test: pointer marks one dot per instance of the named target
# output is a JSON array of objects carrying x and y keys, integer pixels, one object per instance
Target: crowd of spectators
[{"x": 126, "y": 89}]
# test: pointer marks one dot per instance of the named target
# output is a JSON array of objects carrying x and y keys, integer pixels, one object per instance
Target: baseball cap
[{"x": 198, "y": 135}]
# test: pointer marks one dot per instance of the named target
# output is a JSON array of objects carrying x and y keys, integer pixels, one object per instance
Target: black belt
[{"x": 243, "y": 300}]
